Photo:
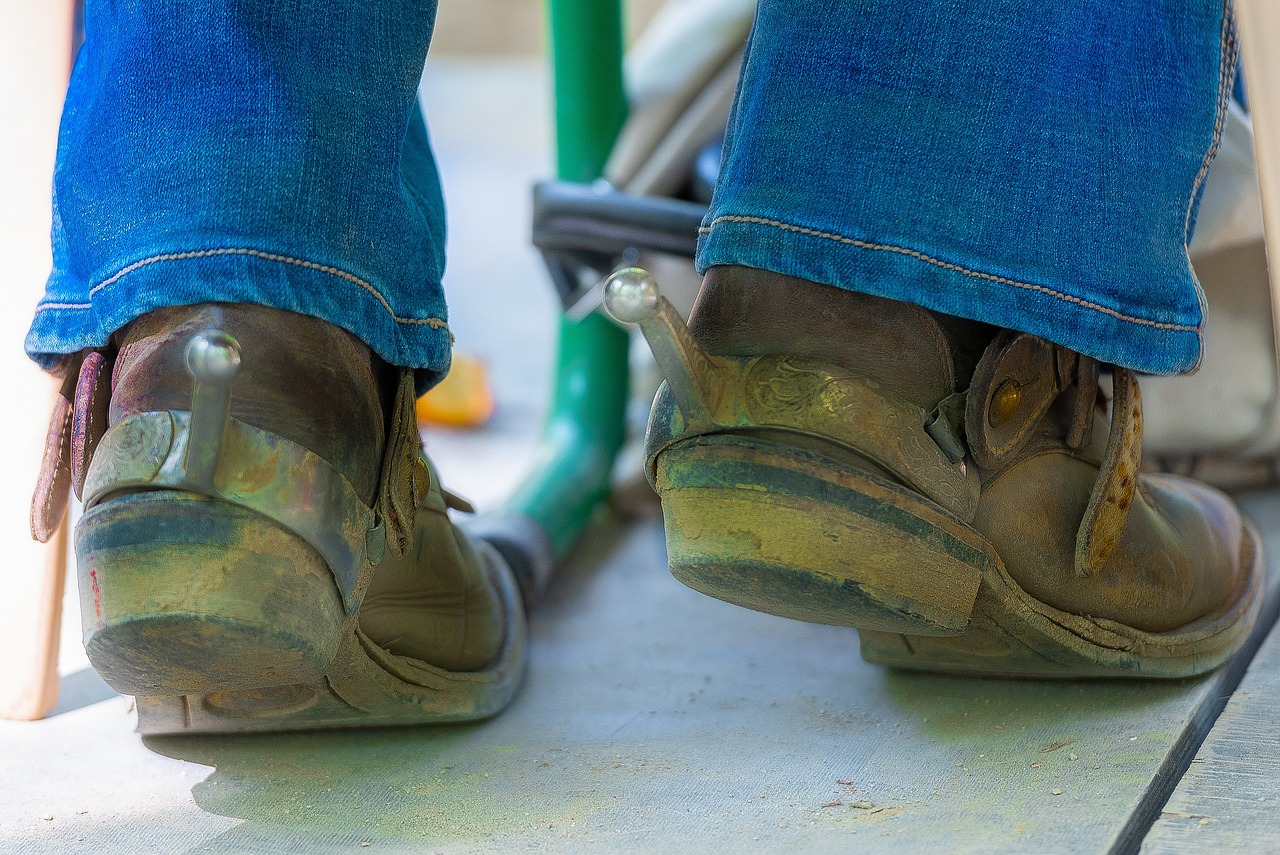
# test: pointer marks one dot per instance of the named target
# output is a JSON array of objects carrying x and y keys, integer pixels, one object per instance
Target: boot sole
[
  {"x": 1015, "y": 635},
  {"x": 780, "y": 530},
  {"x": 766, "y": 526},
  {"x": 219, "y": 620}
]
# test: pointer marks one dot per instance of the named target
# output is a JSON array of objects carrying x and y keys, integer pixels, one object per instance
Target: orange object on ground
[{"x": 463, "y": 399}]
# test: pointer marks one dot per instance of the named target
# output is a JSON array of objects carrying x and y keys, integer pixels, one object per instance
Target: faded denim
[
  {"x": 260, "y": 152},
  {"x": 1033, "y": 165}
]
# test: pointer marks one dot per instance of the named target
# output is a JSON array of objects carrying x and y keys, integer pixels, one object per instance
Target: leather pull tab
[
  {"x": 89, "y": 415},
  {"x": 454, "y": 502},
  {"x": 53, "y": 484},
  {"x": 1085, "y": 403},
  {"x": 1113, "y": 492},
  {"x": 405, "y": 481},
  {"x": 1014, "y": 385}
]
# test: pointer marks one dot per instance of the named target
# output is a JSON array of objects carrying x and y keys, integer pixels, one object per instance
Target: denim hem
[
  {"x": 1228, "y": 57},
  {"x": 243, "y": 275},
  {"x": 908, "y": 275},
  {"x": 1228, "y": 52}
]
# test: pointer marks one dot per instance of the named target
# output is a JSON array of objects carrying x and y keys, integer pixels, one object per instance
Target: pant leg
[
  {"x": 1033, "y": 165},
  {"x": 261, "y": 151}
]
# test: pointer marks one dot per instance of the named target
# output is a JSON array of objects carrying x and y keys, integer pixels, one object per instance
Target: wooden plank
[
  {"x": 35, "y": 47},
  {"x": 1259, "y": 26},
  {"x": 1229, "y": 799}
]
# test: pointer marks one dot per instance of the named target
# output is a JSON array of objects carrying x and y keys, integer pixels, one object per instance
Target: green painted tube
[
  {"x": 586, "y": 426},
  {"x": 590, "y": 103}
]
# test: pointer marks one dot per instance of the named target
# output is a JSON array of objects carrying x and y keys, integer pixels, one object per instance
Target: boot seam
[
  {"x": 433, "y": 322},
  {"x": 947, "y": 265}
]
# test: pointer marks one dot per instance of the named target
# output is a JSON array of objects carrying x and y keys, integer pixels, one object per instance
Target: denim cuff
[
  {"x": 246, "y": 275},
  {"x": 1107, "y": 333}
]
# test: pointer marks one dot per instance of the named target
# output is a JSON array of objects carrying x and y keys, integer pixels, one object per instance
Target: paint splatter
[{"x": 97, "y": 597}]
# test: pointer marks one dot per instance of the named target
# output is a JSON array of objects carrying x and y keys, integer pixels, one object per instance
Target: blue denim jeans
[
  {"x": 1032, "y": 165},
  {"x": 245, "y": 151}
]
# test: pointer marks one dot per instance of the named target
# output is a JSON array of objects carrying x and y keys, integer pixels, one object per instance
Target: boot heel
[
  {"x": 778, "y": 530},
  {"x": 181, "y": 594}
]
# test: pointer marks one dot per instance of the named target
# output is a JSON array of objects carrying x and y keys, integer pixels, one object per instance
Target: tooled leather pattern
[
  {"x": 856, "y": 411},
  {"x": 844, "y": 407}
]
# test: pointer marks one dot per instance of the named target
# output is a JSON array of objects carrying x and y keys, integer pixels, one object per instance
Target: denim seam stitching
[
  {"x": 434, "y": 323},
  {"x": 946, "y": 265},
  {"x": 1226, "y": 61}
]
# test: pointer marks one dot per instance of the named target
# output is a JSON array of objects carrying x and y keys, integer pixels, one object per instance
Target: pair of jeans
[
  {"x": 256, "y": 151},
  {"x": 1034, "y": 166}
]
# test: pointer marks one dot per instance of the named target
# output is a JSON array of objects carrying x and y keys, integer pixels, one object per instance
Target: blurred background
[{"x": 509, "y": 28}]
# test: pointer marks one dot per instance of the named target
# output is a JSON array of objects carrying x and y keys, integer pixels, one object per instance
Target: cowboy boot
[
  {"x": 954, "y": 491},
  {"x": 264, "y": 546}
]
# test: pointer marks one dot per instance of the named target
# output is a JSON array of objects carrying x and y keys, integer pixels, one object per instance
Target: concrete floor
[{"x": 654, "y": 719}]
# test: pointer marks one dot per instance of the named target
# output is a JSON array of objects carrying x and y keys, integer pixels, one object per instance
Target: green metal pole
[
  {"x": 590, "y": 103},
  {"x": 586, "y": 426}
]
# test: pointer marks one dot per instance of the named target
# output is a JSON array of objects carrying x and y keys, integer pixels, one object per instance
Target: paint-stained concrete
[{"x": 654, "y": 719}]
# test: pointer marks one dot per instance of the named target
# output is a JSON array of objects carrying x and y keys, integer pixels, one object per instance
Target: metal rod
[{"x": 586, "y": 427}]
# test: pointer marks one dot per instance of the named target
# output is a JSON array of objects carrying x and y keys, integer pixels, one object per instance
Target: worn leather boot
[
  {"x": 264, "y": 546},
  {"x": 956, "y": 492}
]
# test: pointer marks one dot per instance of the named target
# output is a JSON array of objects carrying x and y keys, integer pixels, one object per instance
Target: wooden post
[
  {"x": 1259, "y": 23},
  {"x": 35, "y": 58}
]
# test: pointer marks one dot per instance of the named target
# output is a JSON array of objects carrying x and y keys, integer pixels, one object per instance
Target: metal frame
[{"x": 586, "y": 427}]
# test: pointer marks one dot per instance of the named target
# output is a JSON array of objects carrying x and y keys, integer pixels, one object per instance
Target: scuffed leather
[
  {"x": 1085, "y": 402},
  {"x": 1031, "y": 365},
  {"x": 428, "y": 596},
  {"x": 1117, "y": 483},
  {"x": 1061, "y": 499},
  {"x": 89, "y": 414},
  {"x": 405, "y": 481},
  {"x": 302, "y": 378},
  {"x": 1080, "y": 530},
  {"x": 433, "y": 603},
  {"x": 52, "y": 492}
]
